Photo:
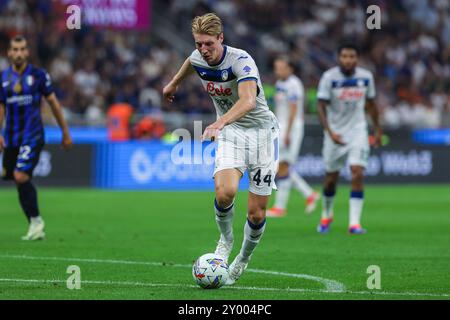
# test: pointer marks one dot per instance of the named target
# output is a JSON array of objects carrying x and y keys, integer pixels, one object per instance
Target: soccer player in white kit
[
  {"x": 345, "y": 93},
  {"x": 246, "y": 131},
  {"x": 289, "y": 111}
]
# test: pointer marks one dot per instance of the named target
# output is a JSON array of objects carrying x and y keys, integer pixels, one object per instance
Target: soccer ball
[{"x": 210, "y": 271}]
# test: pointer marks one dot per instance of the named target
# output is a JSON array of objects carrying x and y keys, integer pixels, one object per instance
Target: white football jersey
[
  {"x": 221, "y": 83},
  {"x": 347, "y": 99},
  {"x": 288, "y": 91}
]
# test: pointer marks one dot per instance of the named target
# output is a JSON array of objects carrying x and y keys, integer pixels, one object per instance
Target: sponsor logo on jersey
[
  {"x": 351, "y": 94},
  {"x": 214, "y": 90},
  {"x": 21, "y": 100}
]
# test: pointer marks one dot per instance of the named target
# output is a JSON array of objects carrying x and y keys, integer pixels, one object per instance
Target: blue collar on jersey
[{"x": 221, "y": 59}]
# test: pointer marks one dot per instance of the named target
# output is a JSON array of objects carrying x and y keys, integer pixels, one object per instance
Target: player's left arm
[
  {"x": 247, "y": 101},
  {"x": 46, "y": 89},
  {"x": 55, "y": 106},
  {"x": 372, "y": 110}
]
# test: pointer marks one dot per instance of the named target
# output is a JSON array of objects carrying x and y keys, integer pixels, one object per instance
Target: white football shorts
[
  {"x": 254, "y": 150},
  {"x": 356, "y": 152},
  {"x": 291, "y": 152}
]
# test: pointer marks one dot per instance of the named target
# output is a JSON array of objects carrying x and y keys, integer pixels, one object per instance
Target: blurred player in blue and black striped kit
[{"x": 22, "y": 86}]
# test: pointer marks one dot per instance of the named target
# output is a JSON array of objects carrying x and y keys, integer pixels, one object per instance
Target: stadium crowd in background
[{"x": 93, "y": 68}]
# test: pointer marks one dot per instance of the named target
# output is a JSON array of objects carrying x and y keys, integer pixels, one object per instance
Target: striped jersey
[
  {"x": 346, "y": 96},
  {"x": 221, "y": 83},
  {"x": 21, "y": 94}
]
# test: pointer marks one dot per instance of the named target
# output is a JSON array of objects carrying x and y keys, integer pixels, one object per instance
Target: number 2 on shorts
[{"x": 24, "y": 152}]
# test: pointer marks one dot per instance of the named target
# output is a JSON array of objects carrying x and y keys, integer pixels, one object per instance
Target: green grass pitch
[{"x": 141, "y": 245}]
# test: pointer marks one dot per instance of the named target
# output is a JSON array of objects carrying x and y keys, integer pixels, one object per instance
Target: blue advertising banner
[
  {"x": 432, "y": 136},
  {"x": 156, "y": 166}
]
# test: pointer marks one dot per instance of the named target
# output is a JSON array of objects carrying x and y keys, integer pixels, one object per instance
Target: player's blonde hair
[{"x": 209, "y": 24}]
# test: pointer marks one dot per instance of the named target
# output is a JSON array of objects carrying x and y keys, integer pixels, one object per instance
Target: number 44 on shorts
[{"x": 267, "y": 178}]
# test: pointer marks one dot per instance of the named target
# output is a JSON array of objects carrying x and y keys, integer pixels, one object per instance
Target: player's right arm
[
  {"x": 324, "y": 96},
  {"x": 372, "y": 109},
  {"x": 170, "y": 89},
  {"x": 321, "y": 110},
  {"x": 2, "y": 117},
  {"x": 56, "y": 108}
]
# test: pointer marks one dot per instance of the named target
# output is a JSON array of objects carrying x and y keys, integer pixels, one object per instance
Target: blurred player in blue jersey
[
  {"x": 22, "y": 86},
  {"x": 345, "y": 93}
]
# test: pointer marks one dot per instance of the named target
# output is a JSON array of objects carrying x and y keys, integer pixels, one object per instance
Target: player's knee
[
  {"x": 283, "y": 169},
  {"x": 357, "y": 174},
  {"x": 330, "y": 184},
  {"x": 21, "y": 177},
  {"x": 225, "y": 195},
  {"x": 256, "y": 213}
]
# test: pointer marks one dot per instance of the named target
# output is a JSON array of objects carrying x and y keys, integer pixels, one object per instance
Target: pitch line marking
[
  {"x": 297, "y": 290},
  {"x": 330, "y": 285}
]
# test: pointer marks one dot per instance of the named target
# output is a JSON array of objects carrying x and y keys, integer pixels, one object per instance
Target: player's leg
[
  {"x": 329, "y": 191},
  {"x": 301, "y": 185},
  {"x": 226, "y": 185},
  {"x": 356, "y": 200},
  {"x": 27, "y": 160},
  {"x": 358, "y": 159},
  {"x": 284, "y": 183},
  {"x": 253, "y": 231},
  {"x": 26, "y": 191},
  {"x": 334, "y": 157},
  {"x": 297, "y": 181},
  {"x": 311, "y": 196},
  {"x": 261, "y": 178},
  {"x": 254, "y": 226},
  {"x": 27, "y": 194},
  {"x": 283, "y": 180},
  {"x": 9, "y": 163}
]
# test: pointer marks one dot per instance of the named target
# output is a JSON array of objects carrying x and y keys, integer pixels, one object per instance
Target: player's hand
[
  {"x": 287, "y": 140},
  {"x": 337, "y": 138},
  {"x": 378, "y": 138},
  {"x": 67, "y": 143},
  {"x": 2, "y": 143},
  {"x": 212, "y": 131},
  {"x": 169, "y": 91}
]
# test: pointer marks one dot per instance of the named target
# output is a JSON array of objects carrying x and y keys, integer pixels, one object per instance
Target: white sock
[
  {"x": 300, "y": 184},
  {"x": 224, "y": 220},
  {"x": 356, "y": 205},
  {"x": 37, "y": 219},
  {"x": 327, "y": 205},
  {"x": 283, "y": 190},
  {"x": 252, "y": 236}
]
